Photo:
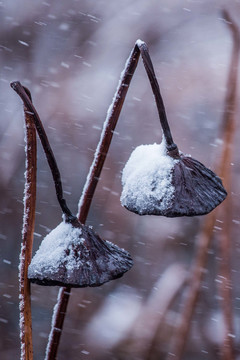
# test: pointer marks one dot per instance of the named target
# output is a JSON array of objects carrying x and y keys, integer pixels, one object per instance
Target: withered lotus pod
[
  {"x": 159, "y": 180},
  {"x": 155, "y": 183},
  {"x": 74, "y": 255}
]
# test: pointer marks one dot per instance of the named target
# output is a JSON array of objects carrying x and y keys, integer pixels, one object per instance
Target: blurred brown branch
[
  {"x": 140, "y": 340},
  {"x": 27, "y": 238},
  {"x": 229, "y": 125},
  {"x": 206, "y": 234}
]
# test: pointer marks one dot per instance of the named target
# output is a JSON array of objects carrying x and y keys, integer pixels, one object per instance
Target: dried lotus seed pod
[
  {"x": 155, "y": 183},
  {"x": 158, "y": 180},
  {"x": 198, "y": 190},
  {"x": 74, "y": 255}
]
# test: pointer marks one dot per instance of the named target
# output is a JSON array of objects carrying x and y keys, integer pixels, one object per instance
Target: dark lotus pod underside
[
  {"x": 84, "y": 260},
  {"x": 197, "y": 191}
]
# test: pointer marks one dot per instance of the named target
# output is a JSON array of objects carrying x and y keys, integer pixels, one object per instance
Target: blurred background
[{"x": 70, "y": 54}]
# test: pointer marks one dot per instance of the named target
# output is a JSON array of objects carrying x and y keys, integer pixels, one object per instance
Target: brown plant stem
[
  {"x": 140, "y": 341},
  {"x": 112, "y": 118},
  {"x": 150, "y": 351},
  {"x": 227, "y": 350},
  {"x": 27, "y": 239},
  {"x": 171, "y": 147},
  {"x": 106, "y": 135},
  {"x": 206, "y": 234},
  {"x": 194, "y": 284},
  {"x": 88, "y": 192},
  {"x": 225, "y": 288},
  {"x": 96, "y": 168},
  {"x": 58, "y": 317}
]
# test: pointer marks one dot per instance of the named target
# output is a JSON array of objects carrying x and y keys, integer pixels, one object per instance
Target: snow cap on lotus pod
[
  {"x": 155, "y": 183},
  {"x": 74, "y": 255}
]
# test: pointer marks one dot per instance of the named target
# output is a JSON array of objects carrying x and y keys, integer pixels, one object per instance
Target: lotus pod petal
[
  {"x": 154, "y": 183},
  {"x": 74, "y": 255}
]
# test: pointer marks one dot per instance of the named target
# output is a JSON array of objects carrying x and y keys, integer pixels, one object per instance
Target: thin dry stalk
[
  {"x": 27, "y": 239},
  {"x": 206, "y": 234},
  {"x": 194, "y": 284},
  {"x": 140, "y": 340},
  {"x": 32, "y": 114},
  {"x": 58, "y": 317},
  {"x": 97, "y": 165},
  {"x": 88, "y": 192},
  {"x": 225, "y": 289},
  {"x": 25, "y": 95},
  {"x": 227, "y": 350}
]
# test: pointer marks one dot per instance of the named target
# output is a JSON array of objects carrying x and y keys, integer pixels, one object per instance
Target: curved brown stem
[
  {"x": 25, "y": 95},
  {"x": 171, "y": 147},
  {"x": 112, "y": 118},
  {"x": 27, "y": 239}
]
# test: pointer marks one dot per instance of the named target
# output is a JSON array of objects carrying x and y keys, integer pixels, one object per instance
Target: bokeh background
[{"x": 70, "y": 54}]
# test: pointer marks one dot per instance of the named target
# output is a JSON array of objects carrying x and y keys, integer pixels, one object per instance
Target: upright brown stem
[
  {"x": 194, "y": 285},
  {"x": 112, "y": 118},
  {"x": 227, "y": 351},
  {"x": 140, "y": 341},
  {"x": 106, "y": 135},
  {"x": 89, "y": 189},
  {"x": 27, "y": 239},
  {"x": 58, "y": 317},
  {"x": 206, "y": 233},
  {"x": 98, "y": 162},
  {"x": 226, "y": 301},
  {"x": 34, "y": 120},
  {"x": 96, "y": 168}
]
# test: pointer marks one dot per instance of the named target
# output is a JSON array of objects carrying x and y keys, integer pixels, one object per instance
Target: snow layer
[
  {"x": 52, "y": 250},
  {"x": 147, "y": 179}
]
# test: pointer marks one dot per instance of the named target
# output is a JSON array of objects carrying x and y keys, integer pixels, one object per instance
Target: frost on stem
[
  {"x": 74, "y": 255},
  {"x": 155, "y": 183},
  {"x": 29, "y": 201}
]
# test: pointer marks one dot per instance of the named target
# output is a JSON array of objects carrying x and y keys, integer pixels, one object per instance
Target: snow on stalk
[
  {"x": 29, "y": 201},
  {"x": 90, "y": 186},
  {"x": 109, "y": 125}
]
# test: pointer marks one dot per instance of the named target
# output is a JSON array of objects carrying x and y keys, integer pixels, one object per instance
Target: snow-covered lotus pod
[
  {"x": 155, "y": 183},
  {"x": 74, "y": 255}
]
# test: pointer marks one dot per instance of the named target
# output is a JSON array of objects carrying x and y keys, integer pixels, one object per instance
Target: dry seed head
[
  {"x": 74, "y": 255},
  {"x": 155, "y": 183}
]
